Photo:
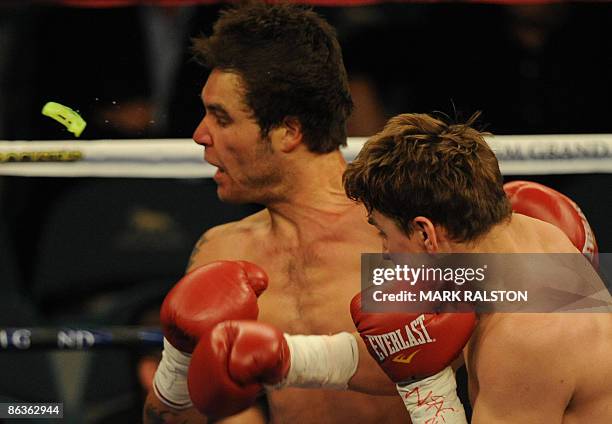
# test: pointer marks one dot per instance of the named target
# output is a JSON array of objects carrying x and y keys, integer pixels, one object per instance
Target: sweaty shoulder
[
  {"x": 542, "y": 237},
  {"x": 517, "y": 361},
  {"x": 534, "y": 349},
  {"x": 228, "y": 241},
  {"x": 521, "y": 333}
]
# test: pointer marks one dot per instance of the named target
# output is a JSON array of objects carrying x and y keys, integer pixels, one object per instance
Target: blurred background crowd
[
  {"x": 539, "y": 68},
  {"x": 104, "y": 251}
]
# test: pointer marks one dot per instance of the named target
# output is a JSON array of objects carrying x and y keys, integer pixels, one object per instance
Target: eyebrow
[{"x": 215, "y": 108}]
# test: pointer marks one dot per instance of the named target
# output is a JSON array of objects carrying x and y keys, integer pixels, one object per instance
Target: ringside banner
[{"x": 485, "y": 283}]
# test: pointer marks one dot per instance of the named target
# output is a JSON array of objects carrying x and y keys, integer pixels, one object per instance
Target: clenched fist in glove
[
  {"x": 231, "y": 365},
  {"x": 206, "y": 296},
  {"x": 415, "y": 351}
]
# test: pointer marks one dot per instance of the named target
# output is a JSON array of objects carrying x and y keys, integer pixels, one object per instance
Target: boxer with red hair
[{"x": 434, "y": 187}]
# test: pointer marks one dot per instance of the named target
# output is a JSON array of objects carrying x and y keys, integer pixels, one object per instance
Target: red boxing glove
[
  {"x": 411, "y": 346},
  {"x": 208, "y": 295},
  {"x": 229, "y": 367},
  {"x": 544, "y": 203},
  {"x": 415, "y": 351}
]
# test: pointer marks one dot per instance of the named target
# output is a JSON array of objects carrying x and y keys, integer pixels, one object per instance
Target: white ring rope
[{"x": 182, "y": 158}]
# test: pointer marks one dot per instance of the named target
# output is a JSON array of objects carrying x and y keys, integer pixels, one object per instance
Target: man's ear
[
  {"x": 426, "y": 231},
  {"x": 290, "y": 135}
]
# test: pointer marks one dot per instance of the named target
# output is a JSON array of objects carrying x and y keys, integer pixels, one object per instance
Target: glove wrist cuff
[
  {"x": 433, "y": 399},
  {"x": 170, "y": 382},
  {"x": 326, "y": 362}
]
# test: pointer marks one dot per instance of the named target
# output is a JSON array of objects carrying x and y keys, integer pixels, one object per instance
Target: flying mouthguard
[{"x": 65, "y": 116}]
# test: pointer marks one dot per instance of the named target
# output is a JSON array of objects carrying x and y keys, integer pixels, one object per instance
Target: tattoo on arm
[
  {"x": 196, "y": 250},
  {"x": 157, "y": 416}
]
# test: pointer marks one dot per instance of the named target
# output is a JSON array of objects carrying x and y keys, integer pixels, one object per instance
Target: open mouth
[
  {"x": 219, "y": 168},
  {"x": 220, "y": 172}
]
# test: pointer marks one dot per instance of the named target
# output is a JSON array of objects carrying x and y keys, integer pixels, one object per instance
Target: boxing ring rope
[
  {"x": 182, "y": 158},
  {"x": 79, "y": 338}
]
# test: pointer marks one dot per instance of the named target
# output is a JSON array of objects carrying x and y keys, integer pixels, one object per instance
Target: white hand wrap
[
  {"x": 326, "y": 362},
  {"x": 433, "y": 399},
  {"x": 170, "y": 382}
]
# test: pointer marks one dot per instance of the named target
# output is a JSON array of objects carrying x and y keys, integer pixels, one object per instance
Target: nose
[{"x": 201, "y": 135}]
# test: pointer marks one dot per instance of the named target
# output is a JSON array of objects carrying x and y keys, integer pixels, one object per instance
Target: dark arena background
[{"x": 94, "y": 232}]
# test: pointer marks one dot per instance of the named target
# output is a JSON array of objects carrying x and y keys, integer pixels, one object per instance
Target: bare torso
[
  {"x": 565, "y": 356},
  {"x": 314, "y": 273},
  {"x": 583, "y": 370}
]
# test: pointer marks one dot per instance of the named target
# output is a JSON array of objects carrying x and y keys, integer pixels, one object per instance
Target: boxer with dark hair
[{"x": 276, "y": 106}]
